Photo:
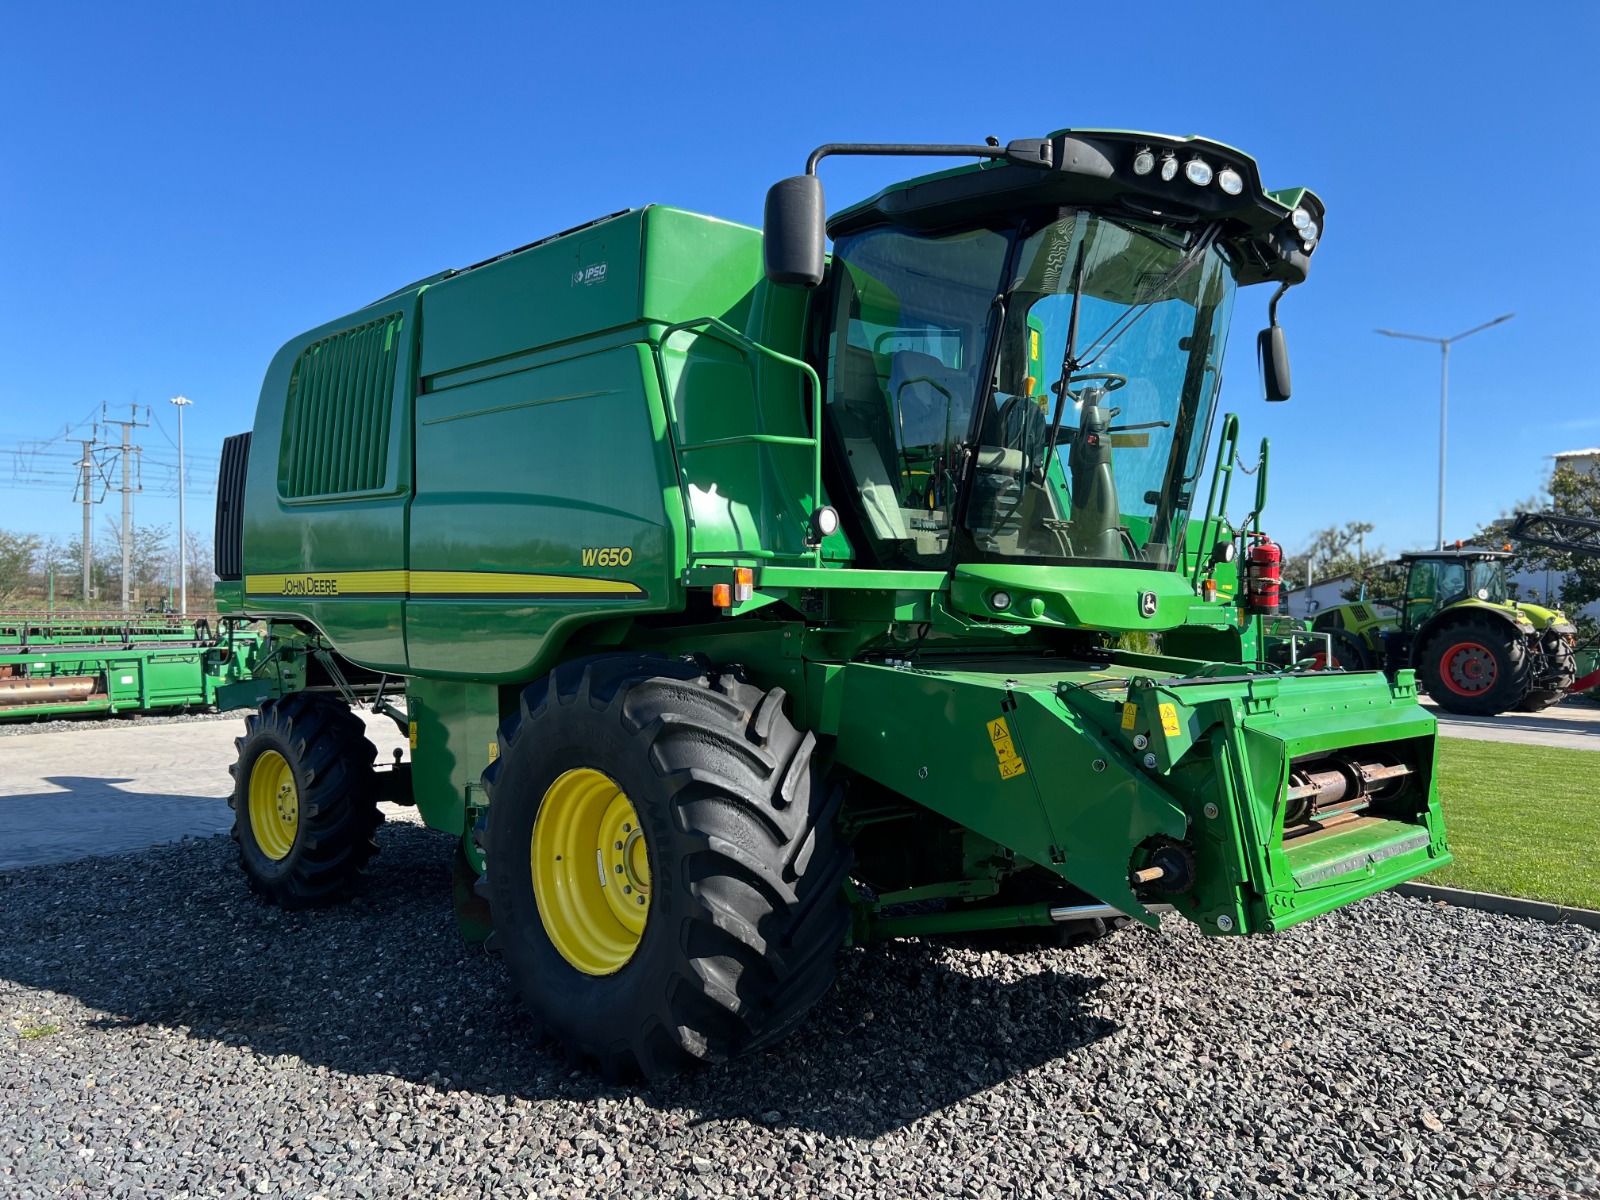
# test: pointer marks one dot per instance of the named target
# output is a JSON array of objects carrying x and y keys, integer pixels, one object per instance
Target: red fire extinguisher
[{"x": 1263, "y": 577}]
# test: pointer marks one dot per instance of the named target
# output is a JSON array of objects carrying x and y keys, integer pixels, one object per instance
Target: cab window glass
[{"x": 905, "y": 353}]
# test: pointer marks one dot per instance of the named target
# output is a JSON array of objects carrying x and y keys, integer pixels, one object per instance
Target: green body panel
[
  {"x": 453, "y": 731},
  {"x": 1102, "y": 598},
  {"x": 324, "y": 535},
  {"x": 597, "y": 442},
  {"x": 537, "y": 511}
]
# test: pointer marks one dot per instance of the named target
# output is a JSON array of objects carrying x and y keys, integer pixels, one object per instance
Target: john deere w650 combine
[{"x": 741, "y": 600}]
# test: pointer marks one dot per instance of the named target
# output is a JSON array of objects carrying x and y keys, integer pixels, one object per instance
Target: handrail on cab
[{"x": 718, "y": 328}]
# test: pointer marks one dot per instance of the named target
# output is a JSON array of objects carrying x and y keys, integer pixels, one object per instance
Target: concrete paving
[
  {"x": 65, "y": 795},
  {"x": 1573, "y": 724}
]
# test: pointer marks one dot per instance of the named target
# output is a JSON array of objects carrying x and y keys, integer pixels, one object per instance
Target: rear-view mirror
[
  {"x": 795, "y": 239},
  {"x": 1272, "y": 355}
]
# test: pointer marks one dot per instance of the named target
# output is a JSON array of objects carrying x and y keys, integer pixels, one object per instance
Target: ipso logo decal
[{"x": 595, "y": 273}]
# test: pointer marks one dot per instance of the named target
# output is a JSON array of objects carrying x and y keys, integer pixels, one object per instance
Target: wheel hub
[
  {"x": 1469, "y": 668},
  {"x": 591, "y": 871},
  {"x": 274, "y": 805}
]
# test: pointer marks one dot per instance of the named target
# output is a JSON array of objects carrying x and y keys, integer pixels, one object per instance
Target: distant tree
[
  {"x": 53, "y": 557},
  {"x": 202, "y": 575},
  {"x": 1332, "y": 552},
  {"x": 1569, "y": 491},
  {"x": 152, "y": 562},
  {"x": 102, "y": 584},
  {"x": 17, "y": 552},
  {"x": 1379, "y": 580}
]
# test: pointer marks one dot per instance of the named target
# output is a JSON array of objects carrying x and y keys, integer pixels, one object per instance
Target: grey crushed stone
[{"x": 210, "y": 1046}]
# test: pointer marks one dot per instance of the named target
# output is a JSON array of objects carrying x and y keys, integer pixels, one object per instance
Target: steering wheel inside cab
[{"x": 1112, "y": 380}]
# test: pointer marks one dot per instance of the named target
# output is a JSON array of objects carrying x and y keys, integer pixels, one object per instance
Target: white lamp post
[{"x": 1444, "y": 390}]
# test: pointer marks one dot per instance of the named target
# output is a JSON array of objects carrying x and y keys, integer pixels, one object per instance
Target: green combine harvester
[
  {"x": 61, "y": 664},
  {"x": 742, "y": 601}
]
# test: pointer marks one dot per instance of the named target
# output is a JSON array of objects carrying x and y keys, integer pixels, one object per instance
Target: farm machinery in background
[
  {"x": 1474, "y": 649},
  {"x": 60, "y": 664},
  {"x": 1580, "y": 537},
  {"x": 742, "y": 600}
]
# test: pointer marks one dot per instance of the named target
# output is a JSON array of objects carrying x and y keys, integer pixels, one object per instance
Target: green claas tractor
[
  {"x": 1474, "y": 649},
  {"x": 743, "y": 600}
]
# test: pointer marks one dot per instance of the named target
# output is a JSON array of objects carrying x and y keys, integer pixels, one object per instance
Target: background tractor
[
  {"x": 1474, "y": 649},
  {"x": 742, "y": 600}
]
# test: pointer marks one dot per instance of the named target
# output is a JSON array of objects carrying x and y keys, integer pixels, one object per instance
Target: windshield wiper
[
  {"x": 1161, "y": 291},
  {"x": 1069, "y": 361}
]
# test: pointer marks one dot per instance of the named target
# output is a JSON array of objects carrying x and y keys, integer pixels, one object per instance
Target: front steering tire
[{"x": 661, "y": 863}]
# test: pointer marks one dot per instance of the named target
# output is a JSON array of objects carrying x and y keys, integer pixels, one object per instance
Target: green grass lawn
[{"x": 1523, "y": 820}]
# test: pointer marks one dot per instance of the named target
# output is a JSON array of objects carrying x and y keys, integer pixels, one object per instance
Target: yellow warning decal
[
  {"x": 1169, "y": 720},
  {"x": 1005, "y": 751},
  {"x": 1130, "y": 714},
  {"x": 413, "y": 735},
  {"x": 494, "y": 751}
]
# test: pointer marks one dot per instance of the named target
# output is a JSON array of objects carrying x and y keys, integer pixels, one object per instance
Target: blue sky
[{"x": 184, "y": 187}]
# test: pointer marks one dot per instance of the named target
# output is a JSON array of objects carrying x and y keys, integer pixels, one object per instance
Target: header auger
[{"x": 741, "y": 599}]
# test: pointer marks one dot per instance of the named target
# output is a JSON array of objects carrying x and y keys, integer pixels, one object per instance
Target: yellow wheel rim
[
  {"x": 591, "y": 872},
  {"x": 274, "y": 805}
]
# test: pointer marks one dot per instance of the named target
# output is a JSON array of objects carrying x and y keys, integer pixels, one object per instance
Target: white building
[
  {"x": 1581, "y": 461},
  {"x": 1304, "y": 602}
]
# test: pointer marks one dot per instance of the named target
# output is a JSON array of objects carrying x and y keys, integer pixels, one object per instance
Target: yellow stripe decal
[
  {"x": 311, "y": 585},
  {"x": 450, "y": 583},
  {"x": 434, "y": 583}
]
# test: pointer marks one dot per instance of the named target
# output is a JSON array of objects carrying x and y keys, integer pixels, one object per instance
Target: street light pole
[
  {"x": 1444, "y": 391},
  {"x": 183, "y": 541}
]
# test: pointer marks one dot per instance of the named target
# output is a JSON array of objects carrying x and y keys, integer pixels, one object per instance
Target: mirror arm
[
  {"x": 1272, "y": 305},
  {"x": 1033, "y": 152}
]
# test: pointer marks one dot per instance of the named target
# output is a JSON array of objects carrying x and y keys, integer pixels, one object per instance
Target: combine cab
[{"x": 740, "y": 599}]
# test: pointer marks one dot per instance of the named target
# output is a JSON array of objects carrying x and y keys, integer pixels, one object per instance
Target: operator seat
[{"x": 922, "y": 412}]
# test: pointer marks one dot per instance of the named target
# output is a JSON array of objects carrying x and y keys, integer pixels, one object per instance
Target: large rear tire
[
  {"x": 1475, "y": 665},
  {"x": 662, "y": 865},
  {"x": 304, "y": 806}
]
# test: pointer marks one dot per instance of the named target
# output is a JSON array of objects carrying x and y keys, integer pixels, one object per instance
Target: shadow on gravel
[{"x": 171, "y": 938}]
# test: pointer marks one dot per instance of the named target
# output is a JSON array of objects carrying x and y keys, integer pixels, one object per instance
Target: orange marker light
[
  {"x": 1208, "y": 589},
  {"x": 744, "y": 583},
  {"x": 722, "y": 595}
]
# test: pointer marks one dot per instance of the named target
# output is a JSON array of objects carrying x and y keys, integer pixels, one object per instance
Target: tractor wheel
[
  {"x": 662, "y": 866},
  {"x": 1348, "y": 653},
  {"x": 304, "y": 806},
  {"x": 1562, "y": 673},
  {"x": 1475, "y": 665}
]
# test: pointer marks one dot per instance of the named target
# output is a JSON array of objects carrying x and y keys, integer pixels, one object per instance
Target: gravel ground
[
  {"x": 16, "y": 726},
  {"x": 164, "y": 1035}
]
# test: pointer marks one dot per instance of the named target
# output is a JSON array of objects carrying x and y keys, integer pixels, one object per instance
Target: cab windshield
[
  {"x": 1489, "y": 581},
  {"x": 1040, "y": 394}
]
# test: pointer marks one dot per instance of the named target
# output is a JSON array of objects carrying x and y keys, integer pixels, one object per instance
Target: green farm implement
[
  {"x": 60, "y": 664},
  {"x": 742, "y": 599},
  {"x": 1474, "y": 649}
]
